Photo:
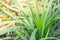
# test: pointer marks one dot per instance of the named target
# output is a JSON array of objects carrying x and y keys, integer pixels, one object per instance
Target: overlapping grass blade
[
  {"x": 49, "y": 6},
  {"x": 50, "y": 38},
  {"x": 21, "y": 7},
  {"x": 13, "y": 17},
  {"x": 6, "y": 22},
  {"x": 32, "y": 37}
]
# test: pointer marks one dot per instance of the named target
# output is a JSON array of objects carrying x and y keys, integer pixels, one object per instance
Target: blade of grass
[
  {"x": 50, "y": 38},
  {"x": 46, "y": 14},
  {"x": 13, "y": 17},
  {"x": 6, "y": 22},
  {"x": 38, "y": 20},
  {"x": 32, "y": 37},
  {"x": 37, "y": 14},
  {"x": 49, "y": 21},
  {"x": 9, "y": 7},
  {"x": 43, "y": 14}
]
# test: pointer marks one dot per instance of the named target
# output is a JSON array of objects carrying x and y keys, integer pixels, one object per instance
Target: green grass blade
[
  {"x": 32, "y": 37},
  {"x": 6, "y": 22},
  {"x": 13, "y": 17},
  {"x": 50, "y": 38},
  {"x": 46, "y": 14},
  {"x": 31, "y": 12}
]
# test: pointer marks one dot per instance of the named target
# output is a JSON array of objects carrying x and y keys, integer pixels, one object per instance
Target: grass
[{"x": 35, "y": 25}]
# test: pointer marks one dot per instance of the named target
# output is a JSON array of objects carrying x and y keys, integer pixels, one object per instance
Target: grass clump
[{"x": 35, "y": 25}]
